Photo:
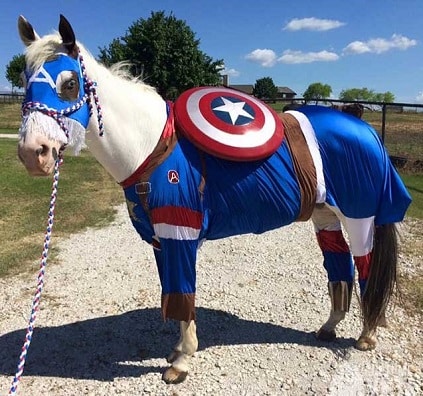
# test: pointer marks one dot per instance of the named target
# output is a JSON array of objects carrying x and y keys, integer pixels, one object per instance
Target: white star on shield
[{"x": 234, "y": 109}]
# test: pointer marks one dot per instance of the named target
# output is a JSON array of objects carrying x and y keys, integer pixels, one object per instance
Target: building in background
[{"x": 284, "y": 93}]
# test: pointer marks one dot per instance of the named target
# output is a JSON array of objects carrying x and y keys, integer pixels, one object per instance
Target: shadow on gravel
[{"x": 109, "y": 347}]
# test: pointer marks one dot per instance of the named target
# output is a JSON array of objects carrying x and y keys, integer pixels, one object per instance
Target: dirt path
[{"x": 260, "y": 299}]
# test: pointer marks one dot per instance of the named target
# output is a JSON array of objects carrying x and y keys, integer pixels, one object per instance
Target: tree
[
  {"x": 164, "y": 52},
  {"x": 14, "y": 70},
  {"x": 264, "y": 88},
  {"x": 365, "y": 94},
  {"x": 317, "y": 91}
]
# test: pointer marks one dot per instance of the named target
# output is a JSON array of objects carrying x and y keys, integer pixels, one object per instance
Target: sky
[{"x": 373, "y": 44}]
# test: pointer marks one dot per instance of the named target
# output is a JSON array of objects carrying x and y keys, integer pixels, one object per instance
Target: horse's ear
[
  {"x": 68, "y": 36},
  {"x": 26, "y": 31}
]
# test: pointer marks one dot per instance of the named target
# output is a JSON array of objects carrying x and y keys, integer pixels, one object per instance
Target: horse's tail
[{"x": 382, "y": 279}]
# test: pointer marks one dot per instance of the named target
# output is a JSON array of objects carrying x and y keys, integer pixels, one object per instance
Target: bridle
[{"x": 90, "y": 92}]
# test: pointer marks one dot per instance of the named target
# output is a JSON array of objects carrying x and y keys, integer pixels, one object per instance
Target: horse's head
[{"x": 55, "y": 110}]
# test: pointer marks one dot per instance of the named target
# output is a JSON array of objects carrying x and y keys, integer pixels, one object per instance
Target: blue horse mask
[{"x": 42, "y": 87}]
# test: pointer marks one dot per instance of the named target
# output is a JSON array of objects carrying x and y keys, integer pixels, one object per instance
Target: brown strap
[
  {"x": 303, "y": 165},
  {"x": 157, "y": 157}
]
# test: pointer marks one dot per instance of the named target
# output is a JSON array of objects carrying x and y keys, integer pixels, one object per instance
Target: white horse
[{"x": 311, "y": 173}]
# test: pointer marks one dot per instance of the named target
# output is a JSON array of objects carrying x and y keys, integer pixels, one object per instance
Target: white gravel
[{"x": 259, "y": 299}]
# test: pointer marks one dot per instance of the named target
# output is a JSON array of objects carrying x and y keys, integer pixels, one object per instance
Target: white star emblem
[{"x": 234, "y": 109}]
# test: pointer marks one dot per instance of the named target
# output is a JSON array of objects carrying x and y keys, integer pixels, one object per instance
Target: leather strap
[{"x": 303, "y": 165}]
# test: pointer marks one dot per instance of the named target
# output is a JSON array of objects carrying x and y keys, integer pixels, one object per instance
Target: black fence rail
[
  {"x": 11, "y": 97},
  {"x": 400, "y": 126}
]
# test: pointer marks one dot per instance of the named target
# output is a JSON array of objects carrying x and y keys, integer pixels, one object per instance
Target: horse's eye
[
  {"x": 67, "y": 85},
  {"x": 71, "y": 84}
]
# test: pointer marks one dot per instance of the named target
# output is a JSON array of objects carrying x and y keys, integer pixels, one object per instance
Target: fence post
[{"x": 383, "y": 121}]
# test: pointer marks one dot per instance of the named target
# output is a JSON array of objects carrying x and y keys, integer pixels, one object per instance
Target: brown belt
[
  {"x": 142, "y": 175},
  {"x": 303, "y": 165},
  {"x": 301, "y": 158}
]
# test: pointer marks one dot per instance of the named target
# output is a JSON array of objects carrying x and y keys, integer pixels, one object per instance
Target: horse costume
[{"x": 182, "y": 188}]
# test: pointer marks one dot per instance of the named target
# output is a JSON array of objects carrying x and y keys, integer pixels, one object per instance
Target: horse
[{"x": 183, "y": 186}]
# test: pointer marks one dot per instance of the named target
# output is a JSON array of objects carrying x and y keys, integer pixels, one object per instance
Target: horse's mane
[{"x": 50, "y": 46}]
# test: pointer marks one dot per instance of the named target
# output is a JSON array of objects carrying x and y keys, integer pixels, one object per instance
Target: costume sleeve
[{"x": 177, "y": 229}]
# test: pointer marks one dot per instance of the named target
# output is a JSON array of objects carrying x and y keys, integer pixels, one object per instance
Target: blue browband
[{"x": 42, "y": 94}]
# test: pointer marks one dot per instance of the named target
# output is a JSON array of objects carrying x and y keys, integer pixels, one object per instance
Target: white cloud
[
  {"x": 230, "y": 72},
  {"x": 380, "y": 45},
  {"x": 419, "y": 97},
  {"x": 266, "y": 57},
  {"x": 314, "y": 24},
  {"x": 295, "y": 57}
]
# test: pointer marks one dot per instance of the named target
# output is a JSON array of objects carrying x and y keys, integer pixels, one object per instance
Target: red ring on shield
[{"x": 228, "y": 123}]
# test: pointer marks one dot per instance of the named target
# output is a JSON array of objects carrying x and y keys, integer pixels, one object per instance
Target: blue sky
[{"x": 377, "y": 44}]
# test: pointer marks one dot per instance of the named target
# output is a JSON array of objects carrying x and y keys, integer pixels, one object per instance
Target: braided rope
[
  {"x": 40, "y": 284},
  {"x": 58, "y": 115},
  {"x": 89, "y": 87}
]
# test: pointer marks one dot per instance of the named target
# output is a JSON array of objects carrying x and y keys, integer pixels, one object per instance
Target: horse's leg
[
  {"x": 179, "y": 357},
  {"x": 361, "y": 233},
  {"x": 338, "y": 264},
  {"x": 361, "y": 236}
]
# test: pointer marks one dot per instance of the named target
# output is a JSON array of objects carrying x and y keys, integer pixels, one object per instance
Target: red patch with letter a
[{"x": 173, "y": 177}]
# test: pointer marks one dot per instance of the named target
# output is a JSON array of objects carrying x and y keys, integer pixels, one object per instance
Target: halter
[{"x": 58, "y": 115}]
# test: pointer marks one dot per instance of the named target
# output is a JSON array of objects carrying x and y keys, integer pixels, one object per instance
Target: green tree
[
  {"x": 165, "y": 53},
  {"x": 317, "y": 91},
  {"x": 265, "y": 88},
  {"x": 354, "y": 94},
  {"x": 14, "y": 70}
]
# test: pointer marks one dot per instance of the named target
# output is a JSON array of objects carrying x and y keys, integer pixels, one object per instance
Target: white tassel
[{"x": 38, "y": 123}]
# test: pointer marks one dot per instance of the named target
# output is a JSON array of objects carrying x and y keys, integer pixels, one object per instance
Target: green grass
[
  {"x": 403, "y": 131},
  {"x": 10, "y": 117},
  {"x": 86, "y": 196},
  {"x": 414, "y": 184}
]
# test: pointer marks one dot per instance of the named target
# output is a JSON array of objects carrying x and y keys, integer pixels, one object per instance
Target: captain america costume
[{"x": 256, "y": 196}]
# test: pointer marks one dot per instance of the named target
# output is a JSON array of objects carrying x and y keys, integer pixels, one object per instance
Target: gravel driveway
[{"x": 259, "y": 298}]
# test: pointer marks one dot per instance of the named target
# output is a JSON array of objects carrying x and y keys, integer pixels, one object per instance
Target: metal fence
[
  {"x": 11, "y": 97},
  {"x": 400, "y": 125}
]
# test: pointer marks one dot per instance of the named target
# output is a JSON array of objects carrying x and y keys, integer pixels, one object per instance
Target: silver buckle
[{"x": 143, "y": 188}]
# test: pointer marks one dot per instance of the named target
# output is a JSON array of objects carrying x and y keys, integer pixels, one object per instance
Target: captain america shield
[{"x": 228, "y": 123}]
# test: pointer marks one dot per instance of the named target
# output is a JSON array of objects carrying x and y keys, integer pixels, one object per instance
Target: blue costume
[{"x": 254, "y": 197}]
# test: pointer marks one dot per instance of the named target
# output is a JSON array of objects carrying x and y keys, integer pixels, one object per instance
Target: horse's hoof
[
  {"x": 325, "y": 335},
  {"x": 174, "y": 376},
  {"x": 365, "y": 343}
]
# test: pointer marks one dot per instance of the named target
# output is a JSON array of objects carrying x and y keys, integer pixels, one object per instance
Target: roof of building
[
  {"x": 248, "y": 88},
  {"x": 286, "y": 90}
]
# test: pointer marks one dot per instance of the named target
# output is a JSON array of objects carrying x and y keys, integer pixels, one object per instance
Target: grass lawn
[
  {"x": 414, "y": 183},
  {"x": 10, "y": 117},
  {"x": 86, "y": 196}
]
